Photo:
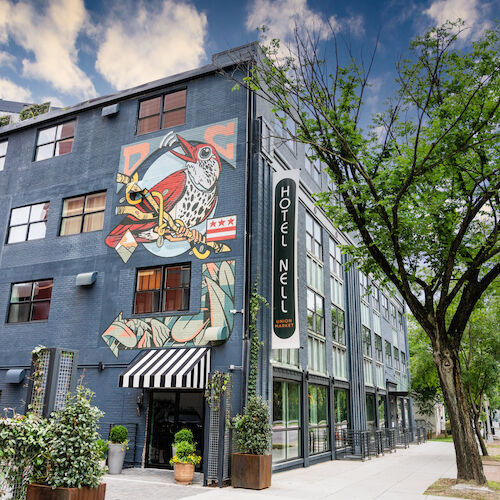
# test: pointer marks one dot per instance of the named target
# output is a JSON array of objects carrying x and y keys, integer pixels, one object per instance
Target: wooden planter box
[
  {"x": 41, "y": 492},
  {"x": 251, "y": 471}
]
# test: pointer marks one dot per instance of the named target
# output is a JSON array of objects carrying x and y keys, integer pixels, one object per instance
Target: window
[
  {"x": 378, "y": 348},
  {"x": 313, "y": 237},
  {"x": 363, "y": 286},
  {"x": 339, "y": 362},
  {"x": 376, "y": 323},
  {"x": 393, "y": 315},
  {"x": 314, "y": 274},
  {"x": 370, "y": 412},
  {"x": 163, "y": 289},
  {"x": 55, "y": 141},
  {"x": 381, "y": 412},
  {"x": 403, "y": 361},
  {"x": 337, "y": 291},
  {"x": 286, "y": 421},
  {"x": 160, "y": 112},
  {"x": 388, "y": 354},
  {"x": 396, "y": 359},
  {"x": 313, "y": 166},
  {"x": 28, "y": 223},
  {"x": 400, "y": 320},
  {"x": 385, "y": 307},
  {"x": 335, "y": 257},
  {"x": 266, "y": 138},
  {"x": 83, "y": 214},
  {"x": 30, "y": 301},
  {"x": 315, "y": 314},
  {"x": 341, "y": 401},
  {"x": 3, "y": 153},
  {"x": 365, "y": 314},
  {"x": 367, "y": 341},
  {"x": 375, "y": 300},
  {"x": 338, "y": 331},
  {"x": 286, "y": 356},
  {"x": 319, "y": 441}
]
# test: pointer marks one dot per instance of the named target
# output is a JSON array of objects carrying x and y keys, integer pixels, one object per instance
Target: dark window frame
[
  {"x": 28, "y": 223},
  {"x": 83, "y": 213},
  {"x": 163, "y": 289},
  {"x": 366, "y": 335},
  {"x": 388, "y": 354},
  {"x": 162, "y": 113},
  {"x": 55, "y": 141},
  {"x": 30, "y": 302}
]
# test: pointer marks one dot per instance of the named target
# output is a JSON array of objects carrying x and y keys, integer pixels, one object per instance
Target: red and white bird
[{"x": 189, "y": 194}]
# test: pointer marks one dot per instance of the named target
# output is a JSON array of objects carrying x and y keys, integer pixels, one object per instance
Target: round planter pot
[
  {"x": 184, "y": 473},
  {"x": 116, "y": 455}
]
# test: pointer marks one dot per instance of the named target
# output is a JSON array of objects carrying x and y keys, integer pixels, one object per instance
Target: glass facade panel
[
  {"x": 341, "y": 406},
  {"x": 318, "y": 419},
  {"x": 370, "y": 412},
  {"x": 287, "y": 423}
]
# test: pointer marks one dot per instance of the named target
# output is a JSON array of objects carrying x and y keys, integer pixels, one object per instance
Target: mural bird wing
[{"x": 171, "y": 189}]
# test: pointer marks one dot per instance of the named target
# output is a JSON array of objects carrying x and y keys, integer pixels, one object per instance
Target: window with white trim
[
  {"x": 313, "y": 237},
  {"x": 313, "y": 166},
  {"x": 28, "y": 222},
  {"x": 55, "y": 141},
  {"x": 385, "y": 307}
]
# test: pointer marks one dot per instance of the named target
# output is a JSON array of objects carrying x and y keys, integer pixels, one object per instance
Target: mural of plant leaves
[
  {"x": 160, "y": 331},
  {"x": 188, "y": 327},
  {"x": 226, "y": 277},
  {"x": 220, "y": 304}
]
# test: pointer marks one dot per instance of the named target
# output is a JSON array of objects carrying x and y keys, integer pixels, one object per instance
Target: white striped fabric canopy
[{"x": 169, "y": 368}]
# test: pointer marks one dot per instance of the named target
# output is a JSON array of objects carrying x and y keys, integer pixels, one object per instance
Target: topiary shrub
[
  {"x": 118, "y": 434},
  {"x": 253, "y": 428},
  {"x": 184, "y": 435}
]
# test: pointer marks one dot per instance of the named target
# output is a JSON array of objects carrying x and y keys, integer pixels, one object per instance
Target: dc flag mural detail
[
  {"x": 285, "y": 317},
  {"x": 214, "y": 322},
  {"x": 167, "y": 209}
]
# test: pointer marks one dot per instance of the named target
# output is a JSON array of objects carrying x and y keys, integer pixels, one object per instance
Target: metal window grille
[
  {"x": 63, "y": 386},
  {"x": 38, "y": 392}
]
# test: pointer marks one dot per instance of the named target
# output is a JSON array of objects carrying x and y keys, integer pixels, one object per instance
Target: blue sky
[{"x": 67, "y": 51}]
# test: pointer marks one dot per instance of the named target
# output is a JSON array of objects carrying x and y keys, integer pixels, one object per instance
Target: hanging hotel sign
[{"x": 285, "y": 310}]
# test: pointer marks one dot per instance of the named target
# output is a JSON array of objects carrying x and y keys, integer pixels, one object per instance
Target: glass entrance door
[{"x": 170, "y": 411}]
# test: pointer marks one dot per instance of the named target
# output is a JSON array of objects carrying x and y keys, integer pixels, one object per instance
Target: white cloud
[
  {"x": 49, "y": 35},
  {"x": 13, "y": 92},
  {"x": 473, "y": 12},
  {"x": 281, "y": 17},
  {"x": 141, "y": 42},
  {"x": 54, "y": 101},
  {"x": 6, "y": 59}
]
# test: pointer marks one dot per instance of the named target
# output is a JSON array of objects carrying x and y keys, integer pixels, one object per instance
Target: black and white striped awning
[{"x": 169, "y": 368}]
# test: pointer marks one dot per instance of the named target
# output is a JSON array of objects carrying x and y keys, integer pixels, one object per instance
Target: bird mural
[{"x": 173, "y": 207}]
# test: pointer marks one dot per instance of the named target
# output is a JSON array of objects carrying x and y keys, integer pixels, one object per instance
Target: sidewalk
[{"x": 405, "y": 474}]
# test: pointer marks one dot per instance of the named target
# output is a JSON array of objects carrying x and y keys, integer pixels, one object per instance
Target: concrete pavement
[{"x": 405, "y": 474}]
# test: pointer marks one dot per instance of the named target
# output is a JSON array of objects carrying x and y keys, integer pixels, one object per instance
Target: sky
[{"x": 68, "y": 51}]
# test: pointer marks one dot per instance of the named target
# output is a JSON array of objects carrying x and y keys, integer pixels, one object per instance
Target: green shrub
[
  {"x": 103, "y": 448},
  {"x": 62, "y": 451},
  {"x": 118, "y": 434},
  {"x": 4, "y": 120},
  {"x": 184, "y": 435},
  {"x": 185, "y": 454},
  {"x": 34, "y": 110},
  {"x": 253, "y": 428}
]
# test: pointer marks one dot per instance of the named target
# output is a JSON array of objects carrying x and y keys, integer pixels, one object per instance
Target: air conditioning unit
[{"x": 53, "y": 377}]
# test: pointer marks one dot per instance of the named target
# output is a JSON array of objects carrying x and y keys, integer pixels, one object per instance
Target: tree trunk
[
  {"x": 480, "y": 438},
  {"x": 469, "y": 465}
]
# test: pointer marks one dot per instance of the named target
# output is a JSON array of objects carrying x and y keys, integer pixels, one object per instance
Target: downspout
[{"x": 248, "y": 241}]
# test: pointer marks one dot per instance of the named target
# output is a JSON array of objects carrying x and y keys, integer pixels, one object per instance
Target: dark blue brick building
[{"x": 132, "y": 229}]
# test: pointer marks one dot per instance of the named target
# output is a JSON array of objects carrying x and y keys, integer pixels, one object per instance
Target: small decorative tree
[{"x": 253, "y": 428}]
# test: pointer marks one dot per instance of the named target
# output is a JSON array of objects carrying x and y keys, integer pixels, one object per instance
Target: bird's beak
[{"x": 188, "y": 150}]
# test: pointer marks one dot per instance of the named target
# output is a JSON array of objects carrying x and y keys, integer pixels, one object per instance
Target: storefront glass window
[
  {"x": 318, "y": 419},
  {"x": 381, "y": 412},
  {"x": 370, "y": 412},
  {"x": 286, "y": 421},
  {"x": 341, "y": 415}
]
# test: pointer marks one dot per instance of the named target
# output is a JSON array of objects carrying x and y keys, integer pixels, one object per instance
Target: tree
[
  {"x": 479, "y": 361},
  {"x": 420, "y": 188}
]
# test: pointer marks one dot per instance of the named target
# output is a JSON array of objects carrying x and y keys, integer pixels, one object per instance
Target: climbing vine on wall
[
  {"x": 256, "y": 302},
  {"x": 219, "y": 384}
]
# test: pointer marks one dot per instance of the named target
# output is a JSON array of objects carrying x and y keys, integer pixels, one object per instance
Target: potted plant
[
  {"x": 184, "y": 461},
  {"x": 103, "y": 450},
  {"x": 59, "y": 456},
  {"x": 182, "y": 435},
  {"x": 251, "y": 467},
  {"x": 117, "y": 448}
]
